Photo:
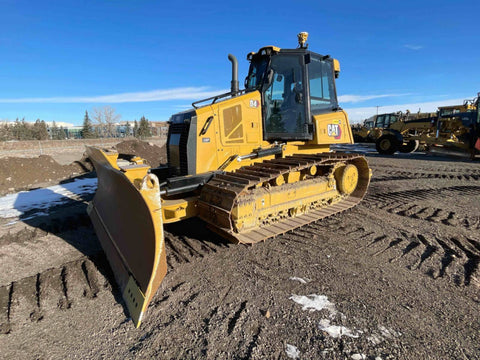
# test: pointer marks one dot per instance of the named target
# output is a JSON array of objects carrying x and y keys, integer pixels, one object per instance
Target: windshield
[{"x": 256, "y": 72}]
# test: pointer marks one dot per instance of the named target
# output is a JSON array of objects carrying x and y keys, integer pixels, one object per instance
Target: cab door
[{"x": 284, "y": 97}]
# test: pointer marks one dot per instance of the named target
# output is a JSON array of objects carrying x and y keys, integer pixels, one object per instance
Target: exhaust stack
[{"x": 234, "y": 83}]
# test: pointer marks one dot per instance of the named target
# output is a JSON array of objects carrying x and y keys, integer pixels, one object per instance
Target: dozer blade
[{"x": 127, "y": 217}]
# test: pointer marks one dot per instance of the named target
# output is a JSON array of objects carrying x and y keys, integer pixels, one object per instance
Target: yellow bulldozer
[{"x": 252, "y": 163}]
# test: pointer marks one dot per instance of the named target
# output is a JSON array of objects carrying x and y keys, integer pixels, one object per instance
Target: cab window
[
  {"x": 284, "y": 98},
  {"x": 322, "y": 86},
  {"x": 380, "y": 121}
]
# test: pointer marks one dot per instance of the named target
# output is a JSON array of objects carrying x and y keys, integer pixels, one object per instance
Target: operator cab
[
  {"x": 369, "y": 124},
  {"x": 384, "y": 121},
  {"x": 295, "y": 84}
]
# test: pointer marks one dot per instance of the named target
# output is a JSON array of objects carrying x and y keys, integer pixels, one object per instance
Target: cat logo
[{"x": 334, "y": 131}]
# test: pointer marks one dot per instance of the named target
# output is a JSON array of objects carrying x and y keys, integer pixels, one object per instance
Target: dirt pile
[
  {"x": 154, "y": 154},
  {"x": 21, "y": 173},
  {"x": 18, "y": 174}
]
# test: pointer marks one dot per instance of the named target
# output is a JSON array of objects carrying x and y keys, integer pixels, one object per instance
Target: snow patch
[
  {"x": 335, "y": 331},
  {"x": 15, "y": 205},
  {"x": 292, "y": 351},
  {"x": 314, "y": 302}
]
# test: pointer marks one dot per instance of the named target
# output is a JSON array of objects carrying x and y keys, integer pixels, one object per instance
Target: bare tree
[
  {"x": 99, "y": 122},
  {"x": 106, "y": 118}
]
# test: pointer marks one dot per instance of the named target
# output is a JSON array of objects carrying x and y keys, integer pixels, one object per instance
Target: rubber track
[{"x": 227, "y": 190}]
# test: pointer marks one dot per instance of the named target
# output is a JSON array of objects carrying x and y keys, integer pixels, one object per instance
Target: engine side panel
[
  {"x": 236, "y": 129},
  {"x": 331, "y": 128}
]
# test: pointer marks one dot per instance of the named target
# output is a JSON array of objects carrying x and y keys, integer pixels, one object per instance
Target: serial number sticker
[
  {"x": 334, "y": 131},
  {"x": 206, "y": 140}
]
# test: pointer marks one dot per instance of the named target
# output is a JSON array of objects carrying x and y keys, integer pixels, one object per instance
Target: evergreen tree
[
  {"x": 16, "y": 130},
  {"x": 144, "y": 128},
  {"x": 62, "y": 133},
  {"x": 40, "y": 130},
  {"x": 43, "y": 130},
  {"x": 128, "y": 129},
  {"x": 25, "y": 132},
  {"x": 135, "y": 129},
  {"x": 54, "y": 131},
  {"x": 87, "y": 130},
  {"x": 5, "y": 132},
  {"x": 22, "y": 131}
]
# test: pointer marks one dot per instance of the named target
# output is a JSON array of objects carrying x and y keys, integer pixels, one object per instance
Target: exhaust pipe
[{"x": 234, "y": 83}]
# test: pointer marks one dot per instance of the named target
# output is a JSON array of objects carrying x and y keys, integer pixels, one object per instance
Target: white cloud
[
  {"x": 185, "y": 93},
  {"x": 413, "y": 47},
  {"x": 359, "y": 98},
  {"x": 361, "y": 113},
  {"x": 49, "y": 123}
]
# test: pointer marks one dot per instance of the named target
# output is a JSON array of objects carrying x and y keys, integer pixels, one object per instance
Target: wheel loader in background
[{"x": 252, "y": 163}]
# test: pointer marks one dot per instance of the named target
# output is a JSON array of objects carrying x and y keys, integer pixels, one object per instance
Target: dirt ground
[{"x": 396, "y": 277}]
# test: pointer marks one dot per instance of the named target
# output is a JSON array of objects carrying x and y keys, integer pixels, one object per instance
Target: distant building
[
  {"x": 74, "y": 132},
  {"x": 159, "y": 128}
]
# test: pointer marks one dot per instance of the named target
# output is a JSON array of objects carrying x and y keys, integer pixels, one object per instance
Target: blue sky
[{"x": 154, "y": 58}]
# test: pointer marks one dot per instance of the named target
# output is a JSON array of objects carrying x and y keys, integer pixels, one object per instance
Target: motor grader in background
[
  {"x": 453, "y": 127},
  {"x": 378, "y": 125},
  {"x": 252, "y": 163}
]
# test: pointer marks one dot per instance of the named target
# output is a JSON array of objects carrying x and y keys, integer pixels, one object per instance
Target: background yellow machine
[
  {"x": 252, "y": 163},
  {"x": 375, "y": 127},
  {"x": 454, "y": 127}
]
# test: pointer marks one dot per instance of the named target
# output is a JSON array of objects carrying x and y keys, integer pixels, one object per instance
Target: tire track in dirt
[
  {"x": 189, "y": 241},
  {"x": 407, "y": 203},
  {"x": 468, "y": 168},
  {"x": 29, "y": 299},
  {"x": 455, "y": 257},
  {"x": 58, "y": 289},
  {"x": 406, "y": 175},
  {"x": 433, "y": 214},
  {"x": 234, "y": 324},
  {"x": 406, "y": 196},
  {"x": 228, "y": 327},
  {"x": 181, "y": 250}
]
